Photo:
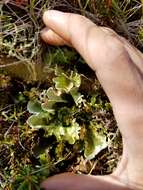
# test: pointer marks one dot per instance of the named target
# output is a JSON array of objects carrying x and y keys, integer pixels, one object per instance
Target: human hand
[{"x": 119, "y": 68}]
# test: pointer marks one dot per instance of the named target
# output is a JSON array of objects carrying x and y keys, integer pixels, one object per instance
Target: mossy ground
[{"x": 26, "y": 155}]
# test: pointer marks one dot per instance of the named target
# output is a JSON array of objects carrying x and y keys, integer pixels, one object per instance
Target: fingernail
[
  {"x": 51, "y": 14},
  {"x": 48, "y": 14}
]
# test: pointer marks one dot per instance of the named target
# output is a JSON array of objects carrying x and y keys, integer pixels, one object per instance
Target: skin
[{"x": 119, "y": 68}]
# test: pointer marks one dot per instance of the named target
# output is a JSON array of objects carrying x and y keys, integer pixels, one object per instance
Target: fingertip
[
  {"x": 43, "y": 186},
  {"x": 46, "y": 15},
  {"x": 58, "y": 182},
  {"x": 49, "y": 184},
  {"x": 52, "y": 38},
  {"x": 50, "y": 15},
  {"x": 43, "y": 32}
]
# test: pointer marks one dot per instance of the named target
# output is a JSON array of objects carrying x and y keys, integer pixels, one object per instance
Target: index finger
[{"x": 74, "y": 29}]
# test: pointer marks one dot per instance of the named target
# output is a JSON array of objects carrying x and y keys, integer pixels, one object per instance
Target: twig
[
  {"x": 47, "y": 166},
  {"x": 6, "y": 133}
]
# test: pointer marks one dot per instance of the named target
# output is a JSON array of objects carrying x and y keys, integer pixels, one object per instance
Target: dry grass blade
[{"x": 21, "y": 21}]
